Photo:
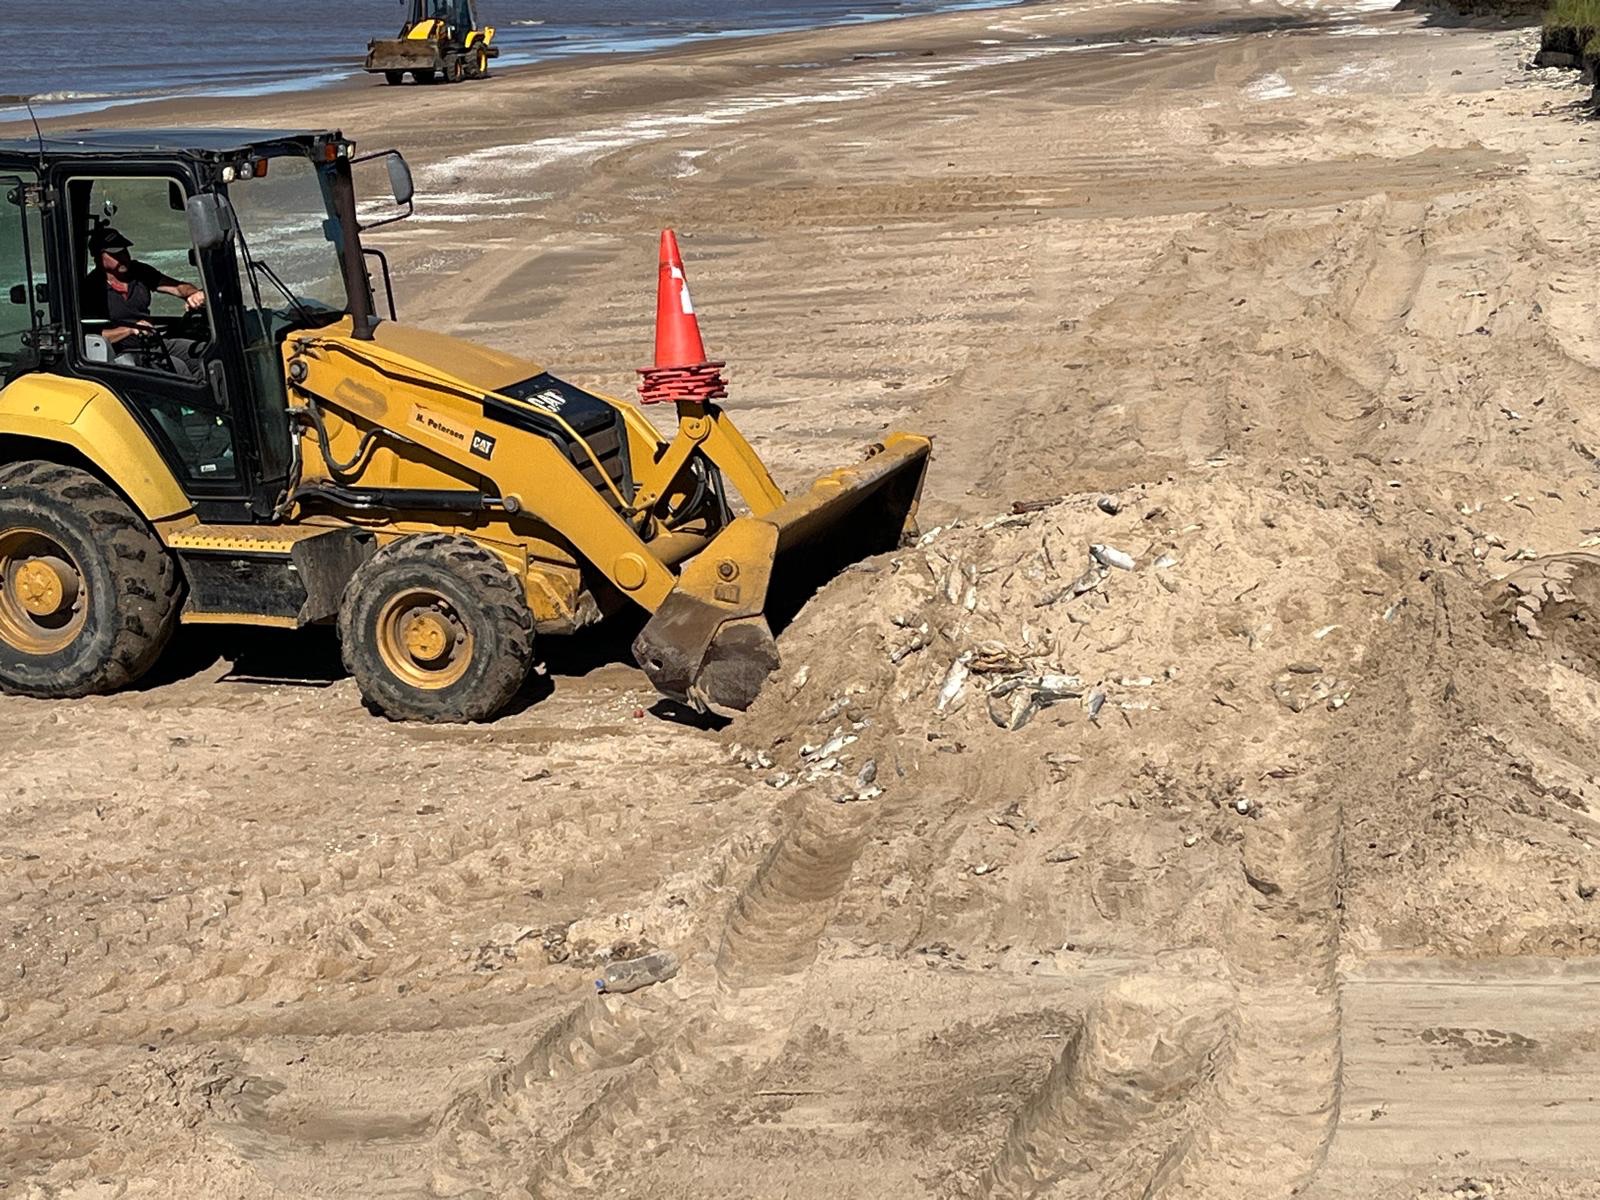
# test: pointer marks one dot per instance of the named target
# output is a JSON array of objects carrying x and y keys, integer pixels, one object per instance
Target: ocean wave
[{"x": 63, "y": 97}]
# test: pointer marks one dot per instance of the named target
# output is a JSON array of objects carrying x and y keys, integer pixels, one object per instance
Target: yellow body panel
[
  {"x": 87, "y": 418},
  {"x": 454, "y": 358},
  {"x": 425, "y": 31}
]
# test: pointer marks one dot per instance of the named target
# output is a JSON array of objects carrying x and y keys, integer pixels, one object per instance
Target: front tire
[
  {"x": 88, "y": 595},
  {"x": 395, "y": 78},
  {"x": 435, "y": 628},
  {"x": 427, "y": 76}
]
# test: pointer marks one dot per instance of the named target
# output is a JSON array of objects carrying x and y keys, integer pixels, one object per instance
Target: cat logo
[
  {"x": 550, "y": 400},
  {"x": 483, "y": 445}
]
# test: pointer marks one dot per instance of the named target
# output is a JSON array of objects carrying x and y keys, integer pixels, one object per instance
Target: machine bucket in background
[{"x": 712, "y": 642}]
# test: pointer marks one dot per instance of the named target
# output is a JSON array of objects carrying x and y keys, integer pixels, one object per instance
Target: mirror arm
[{"x": 410, "y": 208}]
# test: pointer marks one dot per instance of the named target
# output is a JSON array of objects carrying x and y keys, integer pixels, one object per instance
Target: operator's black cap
[{"x": 105, "y": 239}]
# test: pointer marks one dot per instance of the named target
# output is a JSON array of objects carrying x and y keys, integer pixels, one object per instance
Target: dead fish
[
  {"x": 1007, "y": 520},
  {"x": 1110, "y": 556},
  {"x": 1109, "y": 505},
  {"x": 1094, "y": 703},
  {"x": 1012, "y": 716},
  {"x": 1087, "y": 582},
  {"x": 836, "y": 744},
  {"x": 954, "y": 583},
  {"x": 834, "y": 709},
  {"x": 955, "y": 682},
  {"x": 919, "y": 641},
  {"x": 1051, "y": 688}
]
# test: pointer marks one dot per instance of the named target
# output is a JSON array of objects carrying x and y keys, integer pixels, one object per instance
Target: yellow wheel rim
[
  {"x": 423, "y": 641},
  {"x": 44, "y": 599}
]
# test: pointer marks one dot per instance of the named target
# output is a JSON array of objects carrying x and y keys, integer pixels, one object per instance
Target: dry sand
[{"x": 1265, "y": 868}]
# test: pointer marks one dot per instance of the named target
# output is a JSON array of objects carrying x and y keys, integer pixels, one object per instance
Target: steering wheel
[
  {"x": 154, "y": 344},
  {"x": 193, "y": 327}
]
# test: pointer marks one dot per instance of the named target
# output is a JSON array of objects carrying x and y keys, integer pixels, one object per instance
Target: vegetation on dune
[
  {"x": 1573, "y": 14},
  {"x": 1573, "y": 27}
]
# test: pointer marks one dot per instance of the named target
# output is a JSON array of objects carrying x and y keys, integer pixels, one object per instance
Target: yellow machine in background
[
  {"x": 441, "y": 502},
  {"x": 441, "y": 40}
]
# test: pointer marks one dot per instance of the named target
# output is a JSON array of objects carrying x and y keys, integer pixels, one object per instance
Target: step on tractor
[
  {"x": 440, "y": 42},
  {"x": 204, "y": 420}
]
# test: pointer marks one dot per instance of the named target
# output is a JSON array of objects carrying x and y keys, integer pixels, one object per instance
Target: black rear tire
[
  {"x": 435, "y": 628},
  {"x": 123, "y": 588}
]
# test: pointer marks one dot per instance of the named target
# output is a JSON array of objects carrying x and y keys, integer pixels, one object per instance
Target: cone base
[{"x": 682, "y": 385}]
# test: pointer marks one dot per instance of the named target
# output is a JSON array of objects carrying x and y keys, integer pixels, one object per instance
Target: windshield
[{"x": 289, "y": 238}]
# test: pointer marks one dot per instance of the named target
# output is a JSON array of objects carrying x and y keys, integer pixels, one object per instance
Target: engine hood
[{"x": 474, "y": 365}]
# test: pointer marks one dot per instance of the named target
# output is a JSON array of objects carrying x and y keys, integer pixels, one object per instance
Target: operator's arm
[
  {"x": 191, "y": 296},
  {"x": 116, "y": 334}
]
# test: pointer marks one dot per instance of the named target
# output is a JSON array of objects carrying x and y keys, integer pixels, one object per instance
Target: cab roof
[{"x": 198, "y": 143}]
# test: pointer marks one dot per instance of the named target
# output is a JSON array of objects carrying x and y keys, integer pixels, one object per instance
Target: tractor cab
[
  {"x": 456, "y": 16},
  {"x": 170, "y": 269}
]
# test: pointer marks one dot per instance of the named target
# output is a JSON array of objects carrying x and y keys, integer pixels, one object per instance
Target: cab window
[
  {"x": 133, "y": 256},
  {"x": 143, "y": 317},
  {"x": 24, "y": 299}
]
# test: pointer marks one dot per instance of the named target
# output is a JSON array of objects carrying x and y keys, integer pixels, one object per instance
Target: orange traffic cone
[
  {"x": 681, "y": 372},
  {"x": 678, "y": 341}
]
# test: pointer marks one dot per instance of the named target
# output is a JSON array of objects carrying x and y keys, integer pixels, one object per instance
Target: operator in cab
[{"x": 119, "y": 290}]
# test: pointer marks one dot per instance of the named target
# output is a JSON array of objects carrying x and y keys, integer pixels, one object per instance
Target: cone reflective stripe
[
  {"x": 681, "y": 373},
  {"x": 678, "y": 341}
]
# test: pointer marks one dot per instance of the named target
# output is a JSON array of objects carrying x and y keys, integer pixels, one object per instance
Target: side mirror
[
  {"x": 405, "y": 189},
  {"x": 19, "y": 294},
  {"x": 210, "y": 220},
  {"x": 400, "y": 182}
]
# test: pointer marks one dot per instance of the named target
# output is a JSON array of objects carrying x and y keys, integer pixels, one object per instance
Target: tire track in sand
[{"x": 709, "y": 1041}]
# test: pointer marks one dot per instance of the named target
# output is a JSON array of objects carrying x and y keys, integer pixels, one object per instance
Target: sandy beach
[{"x": 1294, "y": 895}]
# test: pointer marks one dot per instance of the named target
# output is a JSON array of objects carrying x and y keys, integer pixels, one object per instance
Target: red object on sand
[
  {"x": 678, "y": 342},
  {"x": 681, "y": 373}
]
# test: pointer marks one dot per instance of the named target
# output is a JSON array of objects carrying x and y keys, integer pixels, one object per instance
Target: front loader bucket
[{"x": 711, "y": 642}]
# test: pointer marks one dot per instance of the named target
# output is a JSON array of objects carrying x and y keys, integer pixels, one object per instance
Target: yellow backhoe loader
[
  {"x": 246, "y": 442},
  {"x": 441, "y": 41}
]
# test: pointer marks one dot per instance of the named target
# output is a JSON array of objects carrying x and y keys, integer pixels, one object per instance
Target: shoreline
[{"x": 54, "y": 107}]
